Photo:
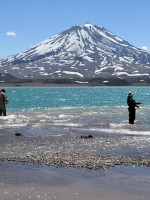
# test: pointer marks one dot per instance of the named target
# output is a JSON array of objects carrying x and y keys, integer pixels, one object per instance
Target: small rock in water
[
  {"x": 18, "y": 134},
  {"x": 87, "y": 137}
]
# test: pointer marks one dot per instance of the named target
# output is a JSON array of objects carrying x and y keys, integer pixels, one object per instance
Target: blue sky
[{"x": 25, "y": 23}]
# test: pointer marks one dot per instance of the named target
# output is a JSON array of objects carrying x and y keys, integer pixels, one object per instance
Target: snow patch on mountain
[
  {"x": 73, "y": 73},
  {"x": 130, "y": 75}
]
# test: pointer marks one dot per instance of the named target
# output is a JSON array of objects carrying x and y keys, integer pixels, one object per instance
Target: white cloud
[
  {"x": 11, "y": 33},
  {"x": 144, "y": 47}
]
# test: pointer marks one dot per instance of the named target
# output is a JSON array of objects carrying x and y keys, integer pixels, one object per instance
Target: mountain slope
[{"x": 80, "y": 52}]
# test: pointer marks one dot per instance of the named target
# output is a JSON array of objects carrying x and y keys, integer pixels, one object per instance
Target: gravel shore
[{"x": 79, "y": 160}]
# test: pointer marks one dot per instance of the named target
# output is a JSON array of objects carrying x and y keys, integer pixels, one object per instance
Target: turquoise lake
[
  {"x": 55, "y": 97},
  {"x": 69, "y": 110}
]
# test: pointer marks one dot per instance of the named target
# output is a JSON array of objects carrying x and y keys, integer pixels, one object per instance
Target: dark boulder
[
  {"x": 87, "y": 137},
  {"x": 18, "y": 134}
]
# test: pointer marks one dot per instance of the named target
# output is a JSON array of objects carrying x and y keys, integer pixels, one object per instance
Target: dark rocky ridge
[{"x": 6, "y": 79}]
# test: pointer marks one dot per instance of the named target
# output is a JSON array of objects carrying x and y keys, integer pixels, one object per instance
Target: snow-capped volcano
[{"x": 79, "y": 52}]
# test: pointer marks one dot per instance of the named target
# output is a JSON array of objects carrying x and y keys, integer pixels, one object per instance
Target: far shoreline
[
  {"x": 38, "y": 84},
  {"x": 41, "y": 85}
]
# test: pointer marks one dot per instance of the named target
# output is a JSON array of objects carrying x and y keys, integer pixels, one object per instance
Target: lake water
[{"x": 68, "y": 110}]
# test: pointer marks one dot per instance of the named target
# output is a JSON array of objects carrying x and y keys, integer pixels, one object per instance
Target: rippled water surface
[
  {"x": 76, "y": 110},
  {"x": 48, "y": 117},
  {"x": 24, "y": 182}
]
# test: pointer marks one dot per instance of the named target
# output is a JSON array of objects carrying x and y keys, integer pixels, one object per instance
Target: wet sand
[{"x": 28, "y": 181}]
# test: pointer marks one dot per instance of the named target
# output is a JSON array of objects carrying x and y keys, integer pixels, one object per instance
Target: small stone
[
  {"x": 18, "y": 134},
  {"x": 87, "y": 137}
]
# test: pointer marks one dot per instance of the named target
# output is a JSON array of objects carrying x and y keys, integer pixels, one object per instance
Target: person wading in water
[
  {"x": 3, "y": 101},
  {"x": 132, "y": 104}
]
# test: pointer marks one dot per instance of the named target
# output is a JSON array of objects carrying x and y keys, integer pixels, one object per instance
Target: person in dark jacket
[
  {"x": 132, "y": 104},
  {"x": 3, "y": 101}
]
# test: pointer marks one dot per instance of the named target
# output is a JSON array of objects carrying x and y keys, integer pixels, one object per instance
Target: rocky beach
[
  {"x": 65, "y": 167},
  {"x": 80, "y": 160}
]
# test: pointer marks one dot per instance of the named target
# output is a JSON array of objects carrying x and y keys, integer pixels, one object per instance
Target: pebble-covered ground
[
  {"x": 80, "y": 160},
  {"x": 95, "y": 152}
]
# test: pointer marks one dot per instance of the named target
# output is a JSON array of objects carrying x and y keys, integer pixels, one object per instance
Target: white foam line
[{"x": 120, "y": 131}]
